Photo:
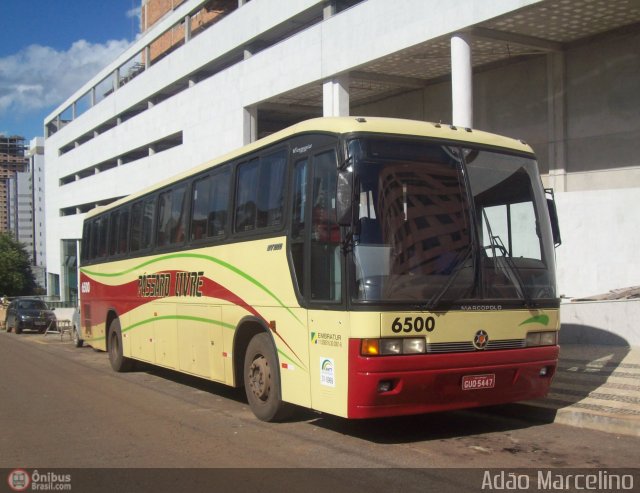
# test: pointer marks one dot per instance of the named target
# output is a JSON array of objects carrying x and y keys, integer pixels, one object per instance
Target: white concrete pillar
[
  {"x": 461, "y": 81},
  {"x": 335, "y": 96},
  {"x": 187, "y": 28},
  {"x": 556, "y": 106},
  {"x": 250, "y": 124},
  {"x": 329, "y": 9}
]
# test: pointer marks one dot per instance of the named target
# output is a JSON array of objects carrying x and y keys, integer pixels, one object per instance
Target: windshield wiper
[{"x": 512, "y": 272}]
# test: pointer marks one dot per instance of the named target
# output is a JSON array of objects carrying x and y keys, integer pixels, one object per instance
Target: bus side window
[
  {"x": 210, "y": 203},
  {"x": 114, "y": 218},
  {"x": 146, "y": 236},
  {"x": 123, "y": 230},
  {"x": 298, "y": 216},
  {"x": 136, "y": 223},
  {"x": 271, "y": 189},
  {"x": 247, "y": 188},
  {"x": 218, "y": 204},
  {"x": 326, "y": 271}
]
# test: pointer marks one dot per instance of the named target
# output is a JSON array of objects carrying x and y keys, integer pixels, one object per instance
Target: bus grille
[{"x": 467, "y": 346}]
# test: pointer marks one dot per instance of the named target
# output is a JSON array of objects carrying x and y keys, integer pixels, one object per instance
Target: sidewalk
[{"x": 596, "y": 387}]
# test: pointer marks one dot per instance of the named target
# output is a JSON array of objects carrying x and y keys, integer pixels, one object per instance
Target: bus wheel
[
  {"x": 118, "y": 361},
  {"x": 262, "y": 380}
]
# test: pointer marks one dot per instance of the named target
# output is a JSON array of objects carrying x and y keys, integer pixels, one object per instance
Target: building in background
[
  {"x": 207, "y": 76},
  {"x": 25, "y": 209},
  {"x": 12, "y": 161}
]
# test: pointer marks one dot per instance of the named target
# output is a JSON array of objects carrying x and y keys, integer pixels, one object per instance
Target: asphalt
[{"x": 595, "y": 387}]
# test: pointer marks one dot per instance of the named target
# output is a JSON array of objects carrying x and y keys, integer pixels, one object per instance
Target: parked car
[
  {"x": 76, "y": 333},
  {"x": 29, "y": 313}
]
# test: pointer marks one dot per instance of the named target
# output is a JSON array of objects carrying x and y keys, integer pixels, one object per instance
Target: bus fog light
[
  {"x": 414, "y": 346},
  {"x": 385, "y": 385},
  {"x": 390, "y": 346}
]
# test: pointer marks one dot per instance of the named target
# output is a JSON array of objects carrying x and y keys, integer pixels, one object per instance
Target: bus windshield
[{"x": 441, "y": 223}]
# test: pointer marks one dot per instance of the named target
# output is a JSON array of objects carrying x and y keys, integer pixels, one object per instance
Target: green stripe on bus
[
  {"x": 196, "y": 319},
  {"x": 222, "y": 263},
  {"x": 179, "y": 317},
  {"x": 538, "y": 319}
]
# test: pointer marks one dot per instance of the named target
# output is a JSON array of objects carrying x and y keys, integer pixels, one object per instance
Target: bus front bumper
[{"x": 434, "y": 382}]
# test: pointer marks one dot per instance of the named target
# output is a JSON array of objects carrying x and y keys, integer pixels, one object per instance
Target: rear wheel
[
  {"x": 118, "y": 361},
  {"x": 262, "y": 380}
]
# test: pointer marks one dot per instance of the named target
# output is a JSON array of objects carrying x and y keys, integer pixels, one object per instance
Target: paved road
[{"x": 62, "y": 407}]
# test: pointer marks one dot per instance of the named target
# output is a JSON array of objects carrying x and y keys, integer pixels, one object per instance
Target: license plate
[{"x": 478, "y": 382}]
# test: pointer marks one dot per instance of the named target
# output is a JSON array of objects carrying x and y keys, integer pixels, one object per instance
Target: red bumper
[{"x": 433, "y": 382}]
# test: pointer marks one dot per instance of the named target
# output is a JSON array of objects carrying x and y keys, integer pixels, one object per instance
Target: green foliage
[{"x": 16, "y": 277}]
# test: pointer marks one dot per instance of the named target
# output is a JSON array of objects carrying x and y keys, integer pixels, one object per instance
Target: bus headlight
[
  {"x": 393, "y": 347},
  {"x": 542, "y": 339}
]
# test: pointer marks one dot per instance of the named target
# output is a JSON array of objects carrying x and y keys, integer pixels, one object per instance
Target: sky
[{"x": 50, "y": 48}]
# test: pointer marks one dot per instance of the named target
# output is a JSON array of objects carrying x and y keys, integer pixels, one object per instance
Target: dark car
[{"x": 30, "y": 314}]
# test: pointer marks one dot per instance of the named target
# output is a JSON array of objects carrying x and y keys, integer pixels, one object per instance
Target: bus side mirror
[
  {"x": 553, "y": 216},
  {"x": 344, "y": 198}
]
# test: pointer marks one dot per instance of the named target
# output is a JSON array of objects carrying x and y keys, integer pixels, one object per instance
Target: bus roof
[{"x": 341, "y": 126}]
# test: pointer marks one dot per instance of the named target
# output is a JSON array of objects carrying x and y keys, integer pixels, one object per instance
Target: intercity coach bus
[{"x": 362, "y": 267}]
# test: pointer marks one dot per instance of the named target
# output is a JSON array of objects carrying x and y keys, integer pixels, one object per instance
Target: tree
[{"x": 16, "y": 277}]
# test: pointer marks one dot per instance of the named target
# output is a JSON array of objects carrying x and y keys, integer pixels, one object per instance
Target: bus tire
[
  {"x": 118, "y": 361},
  {"x": 262, "y": 380}
]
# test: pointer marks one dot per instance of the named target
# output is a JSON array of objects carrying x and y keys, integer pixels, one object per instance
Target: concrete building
[
  {"x": 25, "y": 208},
  {"x": 12, "y": 161},
  {"x": 559, "y": 74}
]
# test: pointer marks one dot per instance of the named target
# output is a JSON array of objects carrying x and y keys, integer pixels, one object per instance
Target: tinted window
[
  {"x": 210, "y": 202},
  {"x": 123, "y": 232},
  {"x": 260, "y": 192},
  {"x": 102, "y": 236},
  {"x": 271, "y": 189},
  {"x": 86, "y": 241},
  {"x": 172, "y": 216},
  {"x": 136, "y": 225},
  {"x": 298, "y": 219},
  {"x": 246, "y": 196},
  {"x": 114, "y": 221},
  {"x": 141, "y": 222},
  {"x": 325, "y": 234}
]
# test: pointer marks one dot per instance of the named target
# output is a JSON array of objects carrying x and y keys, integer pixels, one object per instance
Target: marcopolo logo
[{"x": 19, "y": 480}]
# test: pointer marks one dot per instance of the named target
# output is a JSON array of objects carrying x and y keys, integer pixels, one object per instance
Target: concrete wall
[
  {"x": 600, "y": 234},
  {"x": 611, "y": 323}
]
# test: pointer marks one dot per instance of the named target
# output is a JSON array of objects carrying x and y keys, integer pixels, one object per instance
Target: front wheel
[
  {"x": 118, "y": 361},
  {"x": 262, "y": 380}
]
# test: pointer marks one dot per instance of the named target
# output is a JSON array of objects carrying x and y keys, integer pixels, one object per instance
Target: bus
[{"x": 360, "y": 267}]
